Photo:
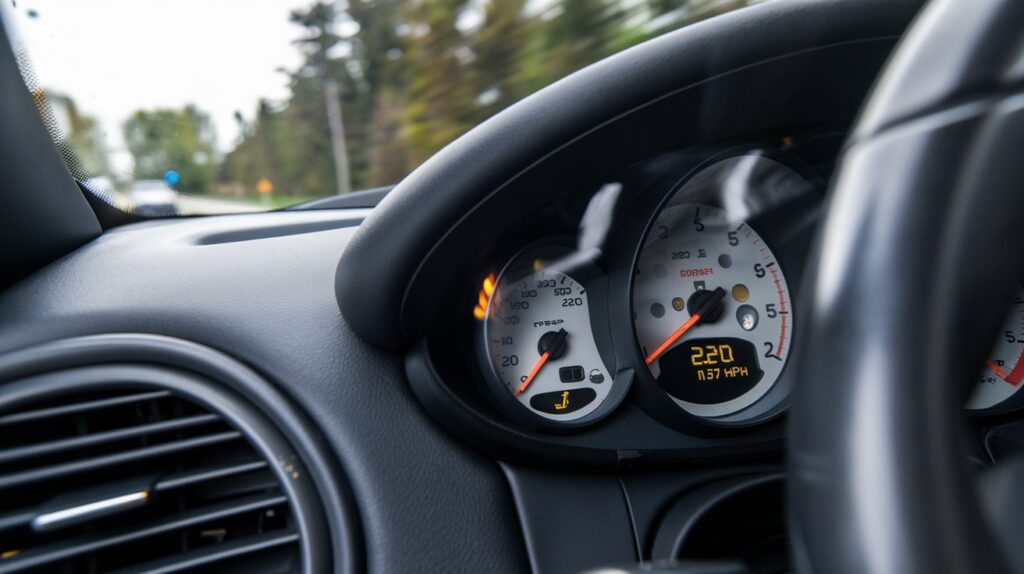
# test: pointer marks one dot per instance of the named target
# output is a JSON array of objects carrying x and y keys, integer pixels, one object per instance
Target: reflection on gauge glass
[
  {"x": 712, "y": 310},
  {"x": 537, "y": 343},
  {"x": 1000, "y": 380}
]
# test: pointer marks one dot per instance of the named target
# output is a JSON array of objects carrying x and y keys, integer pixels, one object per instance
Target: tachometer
[
  {"x": 537, "y": 344},
  {"x": 1000, "y": 381},
  {"x": 712, "y": 310}
]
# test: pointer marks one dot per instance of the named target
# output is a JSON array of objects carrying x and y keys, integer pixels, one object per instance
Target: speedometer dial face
[
  {"x": 538, "y": 343},
  {"x": 712, "y": 310},
  {"x": 1000, "y": 380}
]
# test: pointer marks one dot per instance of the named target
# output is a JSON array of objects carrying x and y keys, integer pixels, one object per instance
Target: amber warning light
[{"x": 484, "y": 297}]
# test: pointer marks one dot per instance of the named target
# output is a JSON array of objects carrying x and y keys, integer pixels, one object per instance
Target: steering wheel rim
[{"x": 915, "y": 253}]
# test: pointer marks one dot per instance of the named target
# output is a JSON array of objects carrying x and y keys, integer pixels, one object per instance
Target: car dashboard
[{"x": 557, "y": 353}]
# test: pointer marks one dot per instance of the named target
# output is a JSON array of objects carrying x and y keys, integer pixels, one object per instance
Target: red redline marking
[
  {"x": 782, "y": 307},
  {"x": 782, "y": 339},
  {"x": 995, "y": 367},
  {"x": 1016, "y": 375}
]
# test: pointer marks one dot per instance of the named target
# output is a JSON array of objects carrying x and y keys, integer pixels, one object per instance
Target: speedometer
[
  {"x": 537, "y": 342},
  {"x": 711, "y": 307}
]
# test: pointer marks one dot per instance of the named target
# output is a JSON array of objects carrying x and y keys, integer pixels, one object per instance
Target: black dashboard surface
[{"x": 269, "y": 301}]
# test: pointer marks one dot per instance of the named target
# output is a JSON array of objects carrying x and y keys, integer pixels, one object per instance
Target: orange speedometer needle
[
  {"x": 703, "y": 310},
  {"x": 550, "y": 343},
  {"x": 533, "y": 373}
]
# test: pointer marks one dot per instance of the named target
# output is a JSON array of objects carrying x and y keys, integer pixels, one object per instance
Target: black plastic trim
[
  {"x": 44, "y": 215},
  {"x": 518, "y": 445},
  {"x": 367, "y": 198}
]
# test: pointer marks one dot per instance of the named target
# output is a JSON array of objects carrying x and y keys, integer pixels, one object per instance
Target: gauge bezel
[
  {"x": 595, "y": 280},
  {"x": 1014, "y": 402},
  {"x": 648, "y": 394}
]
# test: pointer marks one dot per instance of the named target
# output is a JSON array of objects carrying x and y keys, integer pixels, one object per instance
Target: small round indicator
[
  {"x": 740, "y": 292},
  {"x": 747, "y": 317}
]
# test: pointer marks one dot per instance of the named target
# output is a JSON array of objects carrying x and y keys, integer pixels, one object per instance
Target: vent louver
[{"x": 139, "y": 478}]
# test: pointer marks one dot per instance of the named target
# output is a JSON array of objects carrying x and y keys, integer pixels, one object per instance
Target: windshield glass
[{"x": 218, "y": 106}]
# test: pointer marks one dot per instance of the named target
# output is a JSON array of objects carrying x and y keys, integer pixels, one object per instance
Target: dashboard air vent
[{"x": 121, "y": 476}]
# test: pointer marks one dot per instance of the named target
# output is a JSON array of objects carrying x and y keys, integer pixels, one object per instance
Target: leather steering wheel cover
[{"x": 916, "y": 254}]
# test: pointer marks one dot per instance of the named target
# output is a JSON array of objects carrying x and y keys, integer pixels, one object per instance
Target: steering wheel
[{"x": 918, "y": 251}]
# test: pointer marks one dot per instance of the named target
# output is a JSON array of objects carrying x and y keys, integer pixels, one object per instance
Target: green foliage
[
  {"x": 439, "y": 103},
  {"x": 413, "y": 76},
  {"x": 182, "y": 140},
  {"x": 79, "y": 139}
]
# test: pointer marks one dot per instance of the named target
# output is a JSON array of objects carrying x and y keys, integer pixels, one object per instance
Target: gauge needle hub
[
  {"x": 550, "y": 343},
  {"x": 708, "y": 308}
]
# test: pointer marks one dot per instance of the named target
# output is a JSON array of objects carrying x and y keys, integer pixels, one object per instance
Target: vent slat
[
  {"x": 101, "y": 438},
  {"x": 183, "y": 479},
  {"x": 82, "y": 407},
  {"x": 213, "y": 554},
  {"x": 136, "y": 455},
  {"x": 43, "y": 555},
  {"x": 15, "y": 519},
  {"x": 114, "y": 473}
]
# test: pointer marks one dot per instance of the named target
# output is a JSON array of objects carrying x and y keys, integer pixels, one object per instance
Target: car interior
[{"x": 741, "y": 298}]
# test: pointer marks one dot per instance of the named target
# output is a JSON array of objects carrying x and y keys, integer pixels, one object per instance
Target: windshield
[{"x": 218, "y": 106}]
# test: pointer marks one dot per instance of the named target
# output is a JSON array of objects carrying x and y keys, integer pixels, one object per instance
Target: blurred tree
[
  {"x": 319, "y": 21},
  {"x": 438, "y": 106},
  {"x": 387, "y": 155},
  {"x": 379, "y": 157},
  {"x": 580, "y": 33},
  {"x": 499, "y": 49},
  {"x": 287, "y": 144},
  {"x": 182, "y": 140},
  {"x": 79, "y": 137},
  {"x": 411, "y": 76}
]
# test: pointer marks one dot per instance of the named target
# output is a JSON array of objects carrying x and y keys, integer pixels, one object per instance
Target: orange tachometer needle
[
  {"x": 711, "y": 303},
  {"x": 550, "y": 343}
]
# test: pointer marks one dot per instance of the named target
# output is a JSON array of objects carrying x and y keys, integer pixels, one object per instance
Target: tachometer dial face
[
  {"x": 1000, "y": 380},
  {"x": 712, "y": 310},
  {"x": 538, "y": 344}
]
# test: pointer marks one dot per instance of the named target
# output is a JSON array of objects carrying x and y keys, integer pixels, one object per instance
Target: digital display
[{"x": 710, "y": 371}]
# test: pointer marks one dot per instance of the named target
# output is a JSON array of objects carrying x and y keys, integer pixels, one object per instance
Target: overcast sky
[{"x": 117, "y": 56}]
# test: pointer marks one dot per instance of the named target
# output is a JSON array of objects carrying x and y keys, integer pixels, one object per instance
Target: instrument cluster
[
  {"x": 684, "y": 303},
  {"x": 698, "y": 316}
]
